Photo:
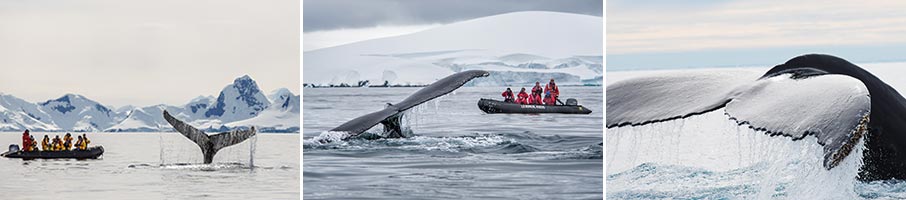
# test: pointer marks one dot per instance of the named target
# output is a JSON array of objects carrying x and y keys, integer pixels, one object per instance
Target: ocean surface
[
  {"x": 709, "y": 157},
  {"x": 158, "y": 166},
  {"x": 459, "y": 152}
]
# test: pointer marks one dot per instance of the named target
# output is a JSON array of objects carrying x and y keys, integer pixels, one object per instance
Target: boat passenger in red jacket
[
  {"x": 26, "y": 140},
  {"x": 522, "y": 98},
  {"x": 536, "y": 93},
  {"x": 549, "y": 99},
  {"x": 508, "y": 96},
  {"x": 553, "y": 89}
]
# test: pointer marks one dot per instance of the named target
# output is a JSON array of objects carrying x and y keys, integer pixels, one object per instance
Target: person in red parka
[
  {"x": 536, "y": 93},
  {"x": 25, "y": 140},
  {"x": 522, "y": 97},
  {"x": 553, "y": 89},
  {"x": 508, "y": 96},
  {"x": 530, "y": 99},
  {"x": 548, "y": 99},
  {"x": 536, "y": 98}
]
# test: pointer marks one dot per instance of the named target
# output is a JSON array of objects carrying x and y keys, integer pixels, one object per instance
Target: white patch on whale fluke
[
  {"x": 794, "y": 106},
  {"x": 663, "y": 97},
  {"x": 830, "y": 107}
]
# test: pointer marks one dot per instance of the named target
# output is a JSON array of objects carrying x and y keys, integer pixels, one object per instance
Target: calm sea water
[
  {"x": 133, "y": 167},
  {"x": 459, "y": 151}
]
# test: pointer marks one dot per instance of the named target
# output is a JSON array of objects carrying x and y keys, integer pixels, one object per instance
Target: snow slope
[{"x": 517, "y": 45}]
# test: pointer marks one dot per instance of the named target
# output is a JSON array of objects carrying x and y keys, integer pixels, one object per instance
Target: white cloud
[{"x": 754, "y": 24}]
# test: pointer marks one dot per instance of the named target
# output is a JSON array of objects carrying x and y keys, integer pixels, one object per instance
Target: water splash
[
  {"x": 474, "y": 144},
  {"x": 160, "y": 143},
  {"x": 415, "y": 142},
  {"x": 252, "y": 147},
  {"x": 891, "y": 189},
  {"x": 176, "y": 149},
  {"x": 708, "y": 156},
  {"x": 326, "y": 137},
  {"x": 205, "y": 167}
]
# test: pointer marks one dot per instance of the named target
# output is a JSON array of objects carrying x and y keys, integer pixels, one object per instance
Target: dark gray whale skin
[{"x": 885, "y": 155}]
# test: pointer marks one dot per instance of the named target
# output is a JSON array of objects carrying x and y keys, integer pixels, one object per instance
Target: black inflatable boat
[
  {"x": 90, "y": 153},
  {"x": 491, "y": 106}
]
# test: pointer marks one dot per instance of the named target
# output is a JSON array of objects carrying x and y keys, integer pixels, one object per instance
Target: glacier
[{"x": 518, "y": 48}]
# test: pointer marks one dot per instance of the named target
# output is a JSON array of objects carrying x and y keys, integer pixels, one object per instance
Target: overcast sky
[
  {"x": 334, "y": 22},
  {"x": 664, "y": 34},
  {"x": 146, "y": 52}
]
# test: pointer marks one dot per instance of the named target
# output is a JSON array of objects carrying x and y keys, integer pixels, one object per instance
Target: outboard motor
[
  {"x": 572, "y": 102},
  {"x": 13, "y": 148}
]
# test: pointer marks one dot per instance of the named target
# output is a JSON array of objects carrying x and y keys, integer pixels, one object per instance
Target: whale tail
[
  {"x": 209, "y": 144},
  {"x": 390, "y": 116},
  {"x": 792, "y": 101}
]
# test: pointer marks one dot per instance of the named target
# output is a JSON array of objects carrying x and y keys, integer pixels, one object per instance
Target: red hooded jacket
[
  {"x": 552, "y": 87},
  {"x": 523, "y": 98},
  {"x": 508, "y": 96},
  {"x": 26, "y": 141}
]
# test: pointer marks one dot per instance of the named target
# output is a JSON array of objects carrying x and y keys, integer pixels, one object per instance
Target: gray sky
[
  {"x": 334, "y": 22},
  {"x": 702, "y": 33},
  {"x": 146, "y": 52}
]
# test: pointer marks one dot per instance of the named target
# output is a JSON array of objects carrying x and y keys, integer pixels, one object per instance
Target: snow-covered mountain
[
  {"x": 239, "y": 104},
  {"x": 76, "y": 113},
  {"x": 146, "y": 119},
  {"x": 197, "y": 107},
  {"x": 278, "y": 95},
  {"x": 518, "y": 48},
  {"x": 281, "y": 116},
  {"x": 238, "y": 101},
  {"x": 17, "y": 114}
]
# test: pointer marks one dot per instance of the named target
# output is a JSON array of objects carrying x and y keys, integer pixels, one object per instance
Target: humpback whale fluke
[
  {"x": 810, "y": 95},
  {"x": 390, "y": 115},
  {"x": 209, "y": 144}
]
